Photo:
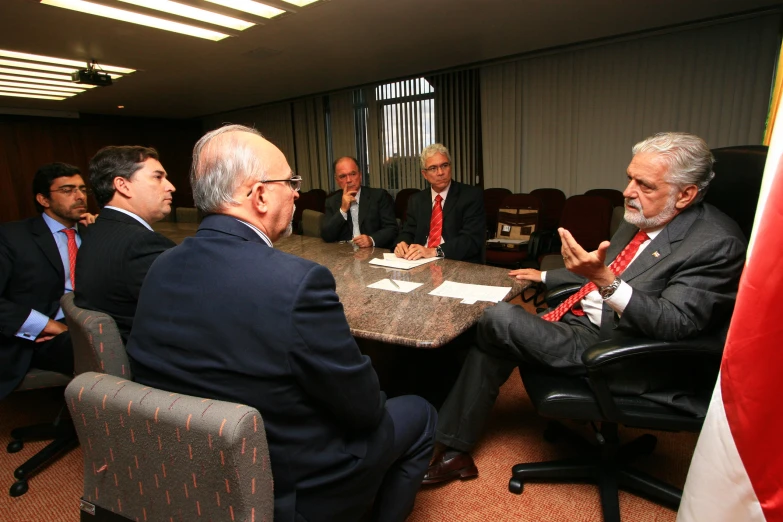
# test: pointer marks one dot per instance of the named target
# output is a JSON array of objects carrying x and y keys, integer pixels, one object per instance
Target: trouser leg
[{"x": 414, "y": 429}]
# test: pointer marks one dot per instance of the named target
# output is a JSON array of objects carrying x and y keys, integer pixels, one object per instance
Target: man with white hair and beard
[
  {"x": 670, "y": 272},
  {"x": 226, "y": 316}
]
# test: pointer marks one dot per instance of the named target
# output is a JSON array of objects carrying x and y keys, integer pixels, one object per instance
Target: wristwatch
[
  {"x": 439, "y": 252},
  {"x": 608, "y": 290}
]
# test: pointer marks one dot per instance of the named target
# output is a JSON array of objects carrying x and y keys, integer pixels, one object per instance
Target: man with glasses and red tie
[
  {"x": 37, "y": 266},
  {"x": 446, "y": 220},
  {"x": 133, "y": 191},
  {"x": 670, "y": 272}
]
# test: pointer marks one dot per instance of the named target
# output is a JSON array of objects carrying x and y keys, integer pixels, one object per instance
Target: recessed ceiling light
[
  {"x": 135, "y": 18},
  {"x": 36, "y": 74},
  {"x": 300, "y": 3},
  {"x": 120, "y": 106},
  {"x": 38, "y": 96},
  {"x": 38, "y": 91},
  {"x": 61, "y": 61},
  {"x": 249, "y": 6},
  {"x": 195, "y": 13},
  {"x": 69, "y": 84},
  {"x": 75, "y": 90}
]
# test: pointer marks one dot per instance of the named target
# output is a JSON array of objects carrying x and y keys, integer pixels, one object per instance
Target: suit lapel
[
  {"x": 45, "y": 241},
  {"x": 451, "y": 200},
  {"x": 364, "y": 206}
]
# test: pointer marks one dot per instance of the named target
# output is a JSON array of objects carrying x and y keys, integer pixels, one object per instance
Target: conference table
[{"x": 399, "y": 331}]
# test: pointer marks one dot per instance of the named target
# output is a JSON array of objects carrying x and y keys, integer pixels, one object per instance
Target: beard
[
  {"x": 290, "y": 228},
  {"x": 639, "y": 220}
]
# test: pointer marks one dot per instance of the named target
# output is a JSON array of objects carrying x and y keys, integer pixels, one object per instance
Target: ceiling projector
[{"x": 91, "y": 77}]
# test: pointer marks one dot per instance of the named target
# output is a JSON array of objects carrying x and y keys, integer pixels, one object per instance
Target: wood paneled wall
[{"x": 26, "y": 143}]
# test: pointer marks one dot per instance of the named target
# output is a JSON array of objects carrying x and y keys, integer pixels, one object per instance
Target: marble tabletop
[{"x": 415, "y": 319}]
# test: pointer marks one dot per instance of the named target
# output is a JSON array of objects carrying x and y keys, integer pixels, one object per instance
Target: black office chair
[
  {"x": 60, "y": 431},
  {"x": 628, "y": 379}
]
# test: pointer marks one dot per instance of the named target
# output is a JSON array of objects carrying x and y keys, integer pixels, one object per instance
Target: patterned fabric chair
[
  {"x": 154, "y": 455},
  {"x": 97, "y": 345},
  {"x": 311, "y": 222},
  {"x": 60, "y": 431},
  {"x": 187, "y": 215}
]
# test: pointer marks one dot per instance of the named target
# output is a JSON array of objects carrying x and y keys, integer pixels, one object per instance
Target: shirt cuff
[
  {"x": 33, "y": 326},
  {"x": 373, "y": 241},
  {"x": 543, "y": 277},
  {"x": 620, "y": 298},
  {"x": 344, "y": 214}
]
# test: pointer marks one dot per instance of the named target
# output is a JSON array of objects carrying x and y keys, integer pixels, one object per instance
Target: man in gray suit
[
  {"x": 674, "y": 272},
  {"x": 363, "y": 215}
]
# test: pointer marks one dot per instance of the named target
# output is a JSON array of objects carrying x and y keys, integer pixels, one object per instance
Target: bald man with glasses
[
  {"x": 225, "y": 315},
  {"x": 446, "y": 220}
]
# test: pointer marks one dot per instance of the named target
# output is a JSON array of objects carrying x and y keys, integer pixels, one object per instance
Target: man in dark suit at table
[
  {"x": 447, "y": 220},
  {"x": 360, "y": 214},
  {"x": 133, "y": 191},
  {"x": 674, "y": 272},
  {"x": 37, "y": 258},
  {"x": 225, "y": 315}
]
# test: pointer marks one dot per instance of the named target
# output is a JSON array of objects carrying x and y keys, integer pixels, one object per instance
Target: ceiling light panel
[
  {"x": 38, "y": 96},
  {"x": 300, "y": 3},
  {"x": 61, "y": 61},
  {"x": 6, "y": 83},
  {"x": 12, "y": 78},
  {"x": 36, "y": 74},
  {"x": 249, "y": 6},
  {"x": 186, "y": 11},
  {"x": 136, "y": 18},
  {"x": 37, "y": 91}
]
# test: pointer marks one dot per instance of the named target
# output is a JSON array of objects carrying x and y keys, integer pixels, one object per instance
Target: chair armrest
[
  {"x": 680, "y": 374},
  {"x": 558, "y": 294}
]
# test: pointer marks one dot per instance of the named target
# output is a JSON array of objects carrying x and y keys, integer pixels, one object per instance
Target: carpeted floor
[{"x": 513, "y": 436}]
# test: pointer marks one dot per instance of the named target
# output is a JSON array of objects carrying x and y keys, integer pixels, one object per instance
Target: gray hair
[
  {"x": 689, "y": 159},
  {"x": 221, "y": 164},
  {"x": 431, "y": 150}
]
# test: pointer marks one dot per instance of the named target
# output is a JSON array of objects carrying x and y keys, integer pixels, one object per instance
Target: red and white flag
[{"x": 737, "y": 469}]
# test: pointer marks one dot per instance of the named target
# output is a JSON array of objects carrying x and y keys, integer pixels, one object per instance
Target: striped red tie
[
  {"x": 72, "y": 250},
  {"x": 436, "y": 223},
  {"x": 617, "y": 267}
]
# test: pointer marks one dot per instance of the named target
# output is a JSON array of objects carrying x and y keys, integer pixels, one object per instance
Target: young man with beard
[
  {"x": 670, "y": 272},
  {"x": 37, "y": 260}
]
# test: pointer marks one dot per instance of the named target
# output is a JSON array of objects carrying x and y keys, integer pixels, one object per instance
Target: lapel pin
[{"x": 656, "y": 254}]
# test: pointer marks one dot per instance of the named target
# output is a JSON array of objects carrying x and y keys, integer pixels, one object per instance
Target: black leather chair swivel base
[
  {"x": 61, "y": 432},
  {"x": 606, "y": 464}
]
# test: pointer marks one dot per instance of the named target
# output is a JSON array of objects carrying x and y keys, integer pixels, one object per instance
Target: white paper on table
[
  {"x": 392, "y": 261},
  {"x": 471, "y": 293},
  {"x": 509, "y": 241},
  {"x": 404, "y": 286}
]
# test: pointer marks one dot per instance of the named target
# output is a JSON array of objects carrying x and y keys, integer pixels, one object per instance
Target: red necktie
[
  {"x": 436, "y": 223},
  {"x": 72, "y": 250},
  {"x": 617, "y": 267}
]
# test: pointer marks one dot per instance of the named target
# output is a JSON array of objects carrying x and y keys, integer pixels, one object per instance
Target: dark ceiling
[{"x": 326, "y": 46}]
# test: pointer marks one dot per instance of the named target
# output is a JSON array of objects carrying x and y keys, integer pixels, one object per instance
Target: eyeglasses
[
  {"x": 68, "y": 190},
  {"x": 295, "y": 182},
  {"x": 434, "y": 168}
]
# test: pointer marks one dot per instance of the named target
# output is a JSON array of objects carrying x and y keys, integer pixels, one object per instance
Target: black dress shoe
[{"x": 450, "y": 465}]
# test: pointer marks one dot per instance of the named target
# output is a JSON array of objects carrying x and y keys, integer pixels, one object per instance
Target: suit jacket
[
  {"x": 112, "y": 265},
  {"x": 225, "y": 316},
  {"x": 464, "y": 222},
  {"x": 689, "y": 287},
  {"x": 32, "y": 277},
  {"x": 376, "y": 218}
]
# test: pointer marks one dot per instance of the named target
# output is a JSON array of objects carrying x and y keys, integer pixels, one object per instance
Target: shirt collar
[
  {"x": 442, "y": 194},
  {"x": 263, "y": 236},
  {"x": 55, "y": 226},
  {"x": 131, "y": 214}
]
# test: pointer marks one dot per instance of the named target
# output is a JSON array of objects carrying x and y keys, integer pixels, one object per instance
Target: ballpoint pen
[{"x": 394, "y": 283}]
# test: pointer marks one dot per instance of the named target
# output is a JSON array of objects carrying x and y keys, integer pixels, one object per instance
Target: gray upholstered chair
[
  {"x": 97, "y": 345},
  {"x": 311, "y": 223},
  {"x": 154, "y": 455},
  {"x": 60, "y": 431}
]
